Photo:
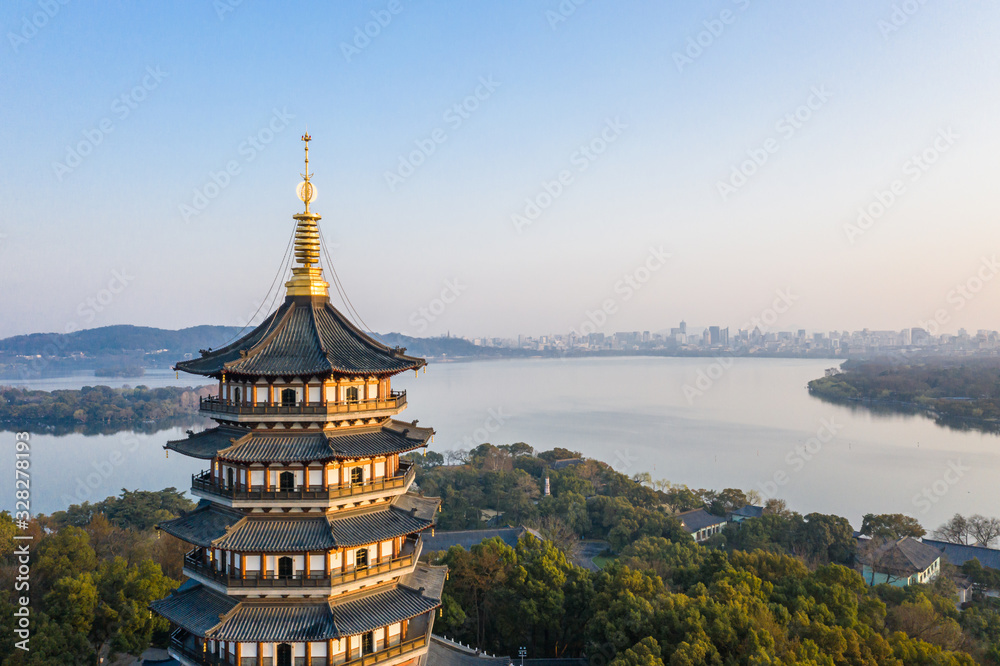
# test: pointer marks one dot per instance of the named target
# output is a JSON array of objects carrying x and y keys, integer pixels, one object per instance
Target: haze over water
[{"x": 632, "y": 413}]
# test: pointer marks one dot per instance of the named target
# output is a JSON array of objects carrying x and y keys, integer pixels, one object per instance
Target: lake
[{"x": 744, "y": 423}]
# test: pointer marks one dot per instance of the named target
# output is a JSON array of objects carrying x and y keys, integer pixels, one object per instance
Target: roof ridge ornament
[{"x": 307, "y": 276}]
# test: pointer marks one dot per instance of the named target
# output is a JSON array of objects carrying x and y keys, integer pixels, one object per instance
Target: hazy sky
[{"x": 588, "y": 142}]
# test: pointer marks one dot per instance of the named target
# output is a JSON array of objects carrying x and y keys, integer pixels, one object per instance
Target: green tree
[
  {"x": 644, "y": 653},
  {"x": 891, "y": 526}
]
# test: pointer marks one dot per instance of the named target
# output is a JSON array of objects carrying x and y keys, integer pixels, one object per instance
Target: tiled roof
[
  {"x": 377, "y": 526},
  {"x": 270, "y": 621},
  {"x": 207, "y": 443},
  {"x": 443, "y": 652},
  {"x": 203, "y": 526},
  {"x": 698, "y": 519},
  {"x": 749, "y": 511},
  {"x": 469, "y": 538},
  {"x": 272, "y": 534},
  {"x": 207, "y": 613},
  {"x": 303, "y": 337},
  {"x": 244, "y": 446},
  {"x": 194, "y": 607},
  {"x": 958, "y": 554},
  {"x": 905, "y": 557},
  {"x": 211, "y": 525}
]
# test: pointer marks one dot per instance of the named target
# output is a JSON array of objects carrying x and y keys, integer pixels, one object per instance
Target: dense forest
[
  {"x": 99, "y": 408},
  {"x": 94, "y": 570},
  {"x": 781, "y": 589},
  {"x": 958, "y": 393}
]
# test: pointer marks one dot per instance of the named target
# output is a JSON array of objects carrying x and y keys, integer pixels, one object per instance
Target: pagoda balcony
[
  {"x": 213, "y": 406},
  {"x": 185, "y": 648},
  {"x": 252, "y": 582},
  {"x": 206, "y": 486}
]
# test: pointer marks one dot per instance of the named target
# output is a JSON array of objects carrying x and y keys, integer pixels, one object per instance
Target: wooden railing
[
  {"x": 218, "y": 405},
  {"x": 253, "y": 579},
  {"x": 379, "y": 657},
  {"x": 388, "y": 653},
  {"x": 207, "y": 484}
]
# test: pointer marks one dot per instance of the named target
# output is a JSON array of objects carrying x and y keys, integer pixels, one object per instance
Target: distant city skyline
[{"x": 536, "y": 164}]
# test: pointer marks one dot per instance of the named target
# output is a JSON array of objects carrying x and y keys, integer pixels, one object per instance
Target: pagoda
[{"x": 306, "y": 539}]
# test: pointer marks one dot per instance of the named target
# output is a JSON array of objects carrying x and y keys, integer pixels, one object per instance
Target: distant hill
[
  {"x": 118, "y": 339},
  {"x": 440, "y": 347},
  {"x": 117, "y": 349}
]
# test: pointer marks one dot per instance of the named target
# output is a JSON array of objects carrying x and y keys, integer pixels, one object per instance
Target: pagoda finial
[
  {"x": 308, "y": 191},
  {"x": 307, "y": 277}
]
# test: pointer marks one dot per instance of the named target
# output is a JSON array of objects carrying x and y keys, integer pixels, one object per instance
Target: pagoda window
[
  {"x": 357, "y": 476},
  {"x": 361, "y": 558},
  {"x": 288, "y": 397},
  {"x": 368, "y": 643},
  {"x": 284, "y": 653},
  {"x": 286, "y": 481},
  {"x": 236, "y": 395},
  {"x": 230, "y": 477},
  {"x": 285, "y": 568},
  {"x": 351, "y": 394}
]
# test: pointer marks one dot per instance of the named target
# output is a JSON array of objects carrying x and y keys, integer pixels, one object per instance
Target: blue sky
[{"x": 161, "y": 96}]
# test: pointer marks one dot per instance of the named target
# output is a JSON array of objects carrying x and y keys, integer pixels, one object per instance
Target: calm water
[{"x": 751, "y": 424}]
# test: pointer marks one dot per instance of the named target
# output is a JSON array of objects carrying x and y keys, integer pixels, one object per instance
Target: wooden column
[
  {"x": 305, "y": 394},
  {"x": 305, "y": 574},
  {"x": 253, "y": 394},
  {"x": 263, "y": 565},
  {"x": 220, "y": 388},
  {"x": 270, "y": 393},
  {"x": 239, "y": 654},
  {"x": 228, "y": 391},
  {"x": 260, "y": 654},
  {"x": 329, "y": 652}
]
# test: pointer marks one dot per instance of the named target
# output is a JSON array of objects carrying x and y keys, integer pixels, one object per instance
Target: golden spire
[{"x": 307, "y": 278}]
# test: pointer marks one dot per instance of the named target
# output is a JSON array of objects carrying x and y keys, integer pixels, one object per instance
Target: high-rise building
[{"x": 305, "y": 544}]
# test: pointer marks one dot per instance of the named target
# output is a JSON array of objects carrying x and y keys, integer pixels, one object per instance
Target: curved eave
[
  {"x": 241, "y": 446},
  {"x": 303, "y": 338},
  {"x": 208, "y": 614}
]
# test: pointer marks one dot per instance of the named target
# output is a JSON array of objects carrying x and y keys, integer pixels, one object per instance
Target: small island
[
  {"x": 99, "y": 409},
  {"x": 963, "y": 394}
]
